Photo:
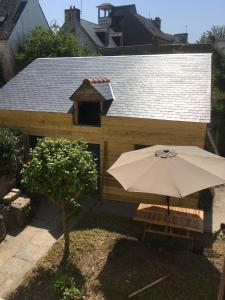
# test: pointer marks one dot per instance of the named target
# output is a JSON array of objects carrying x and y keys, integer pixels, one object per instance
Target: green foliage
[
  {"x": 10, "y": 151},
  {"x": 64, "y": 288},
  {"x": 216, "y": 33},
  {"x": 51, "y": 42},
  {"x": 61, "y": 170},
  {"x": 218, "y": 106}
]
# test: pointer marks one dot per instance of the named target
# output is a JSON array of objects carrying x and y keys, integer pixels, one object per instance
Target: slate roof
[
  {"x": 11, "y": 9},
  {"x": 90, "y": 29},
  {"x": 164, "y": 87},
  {"x": 154, "y": 30}
]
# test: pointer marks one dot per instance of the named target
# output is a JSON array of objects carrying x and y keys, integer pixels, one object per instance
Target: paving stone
[
  {"x": 218, "y": 209},
  {"x": 9, "y": 285},
  {"x": 16, "y": 267},
  {"x": 43, "y": 238},
  {"x": 21, "y": 249},
  {"x": 5, "y": 254},
  {"x": 11, "y": 196},
  {"x": 32, "y": 253}
]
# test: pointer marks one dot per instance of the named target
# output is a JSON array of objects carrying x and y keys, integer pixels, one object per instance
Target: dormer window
[
  {"x": 2, "y": 19},
  {"x": 91, "y": 100}
]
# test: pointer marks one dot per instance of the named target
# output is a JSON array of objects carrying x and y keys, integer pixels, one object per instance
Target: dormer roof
[{"x": 102, "y": 85}]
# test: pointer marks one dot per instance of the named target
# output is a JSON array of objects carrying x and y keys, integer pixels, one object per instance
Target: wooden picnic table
[{"x": 181, "y": 222}]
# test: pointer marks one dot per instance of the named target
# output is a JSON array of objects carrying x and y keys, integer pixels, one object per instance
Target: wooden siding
[{"x": 115, "y": 136}]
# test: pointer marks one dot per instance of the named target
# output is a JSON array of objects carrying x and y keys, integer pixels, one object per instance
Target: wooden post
[{"x": 221, "y": 293}]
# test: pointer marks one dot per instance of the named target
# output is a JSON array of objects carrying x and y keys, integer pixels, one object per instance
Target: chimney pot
[
  {"x": 72, "y": 14},
  {"x": 157, "y": 22}
]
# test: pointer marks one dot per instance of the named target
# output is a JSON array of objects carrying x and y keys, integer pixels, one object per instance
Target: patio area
[
  {"x": 22, "y": 248},
  {"x": 105, "y": 247}
]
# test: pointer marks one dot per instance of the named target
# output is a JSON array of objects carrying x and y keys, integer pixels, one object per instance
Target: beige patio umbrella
[{"x": 173, "y": 171}]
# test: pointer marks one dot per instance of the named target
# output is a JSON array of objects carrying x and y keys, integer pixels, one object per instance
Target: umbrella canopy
[{"x": 175, "y": 171}]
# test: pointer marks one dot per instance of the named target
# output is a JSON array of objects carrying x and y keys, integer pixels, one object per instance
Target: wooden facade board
[{"x": 121, "y": 135}]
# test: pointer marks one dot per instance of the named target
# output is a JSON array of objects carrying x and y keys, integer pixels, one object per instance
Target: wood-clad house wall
[{"x": 115, "y": 136}]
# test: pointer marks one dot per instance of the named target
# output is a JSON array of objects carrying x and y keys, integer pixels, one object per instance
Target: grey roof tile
[{"x": 166, "y": 87}]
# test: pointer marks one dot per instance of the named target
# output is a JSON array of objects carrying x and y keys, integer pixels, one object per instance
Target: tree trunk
[{"x": 65, "y": 225}]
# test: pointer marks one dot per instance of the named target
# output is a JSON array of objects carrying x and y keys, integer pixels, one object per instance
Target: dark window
[
  {"x": 33, "y": 140},
  {"x": 89, "y": 113},
  {"x": 117, "y": 40},
  {"x": 103, "y": 37},
  {"x": 2, "y": 19},
  {"x": 138, "y": 146}
]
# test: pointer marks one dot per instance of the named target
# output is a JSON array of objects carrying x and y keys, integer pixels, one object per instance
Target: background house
[
  {"x": 17, "y": 20},
  {"x": 117, "y": 104},
  {"x": 118, "y": 26}
]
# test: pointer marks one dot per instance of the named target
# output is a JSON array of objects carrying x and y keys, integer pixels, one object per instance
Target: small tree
[
  {"x": 61, "y": 171},
  {"x": 10, "y": 151},
  {"x": 51, "y": 42}
]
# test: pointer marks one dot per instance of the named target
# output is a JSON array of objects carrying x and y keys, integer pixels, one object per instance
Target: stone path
[
  {"x": 20, "y": 251},
  {"x": 218, "y": 208}
]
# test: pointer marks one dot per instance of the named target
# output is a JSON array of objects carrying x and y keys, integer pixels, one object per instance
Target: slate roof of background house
[
  {"x": 12, "y": 9},
  {"x": 154, "y": 30},
  {"x": 90, "y": 29},
  {"x": 164, "y": 87},
  {"x": 124, "y": 9}
]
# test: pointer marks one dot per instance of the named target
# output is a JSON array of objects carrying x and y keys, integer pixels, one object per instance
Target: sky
[{"x": 197, "y": 16}]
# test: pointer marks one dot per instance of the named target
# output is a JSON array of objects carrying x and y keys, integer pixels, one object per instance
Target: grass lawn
[{"x": 109, "y": 261}]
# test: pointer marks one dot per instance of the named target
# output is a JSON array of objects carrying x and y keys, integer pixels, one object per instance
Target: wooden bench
[{"x": 181, "y": 222}]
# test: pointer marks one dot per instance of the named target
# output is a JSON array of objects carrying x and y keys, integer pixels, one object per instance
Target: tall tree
[
  {"x": 216, "y": 33},
  {"x": 62, "y": 171},
  {"x": 52, "y": 42}
]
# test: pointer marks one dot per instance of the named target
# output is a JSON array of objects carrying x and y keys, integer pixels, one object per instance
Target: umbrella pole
[{"x": 168, "y": 204}]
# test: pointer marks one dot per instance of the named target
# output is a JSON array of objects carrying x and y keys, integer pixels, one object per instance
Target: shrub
[{"x": 10, "y": 151}]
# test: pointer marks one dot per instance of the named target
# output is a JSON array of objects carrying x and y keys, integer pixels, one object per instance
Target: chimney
[
  {"x": 157, "y": 22},
  {"x": 72, "y": 14}
]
